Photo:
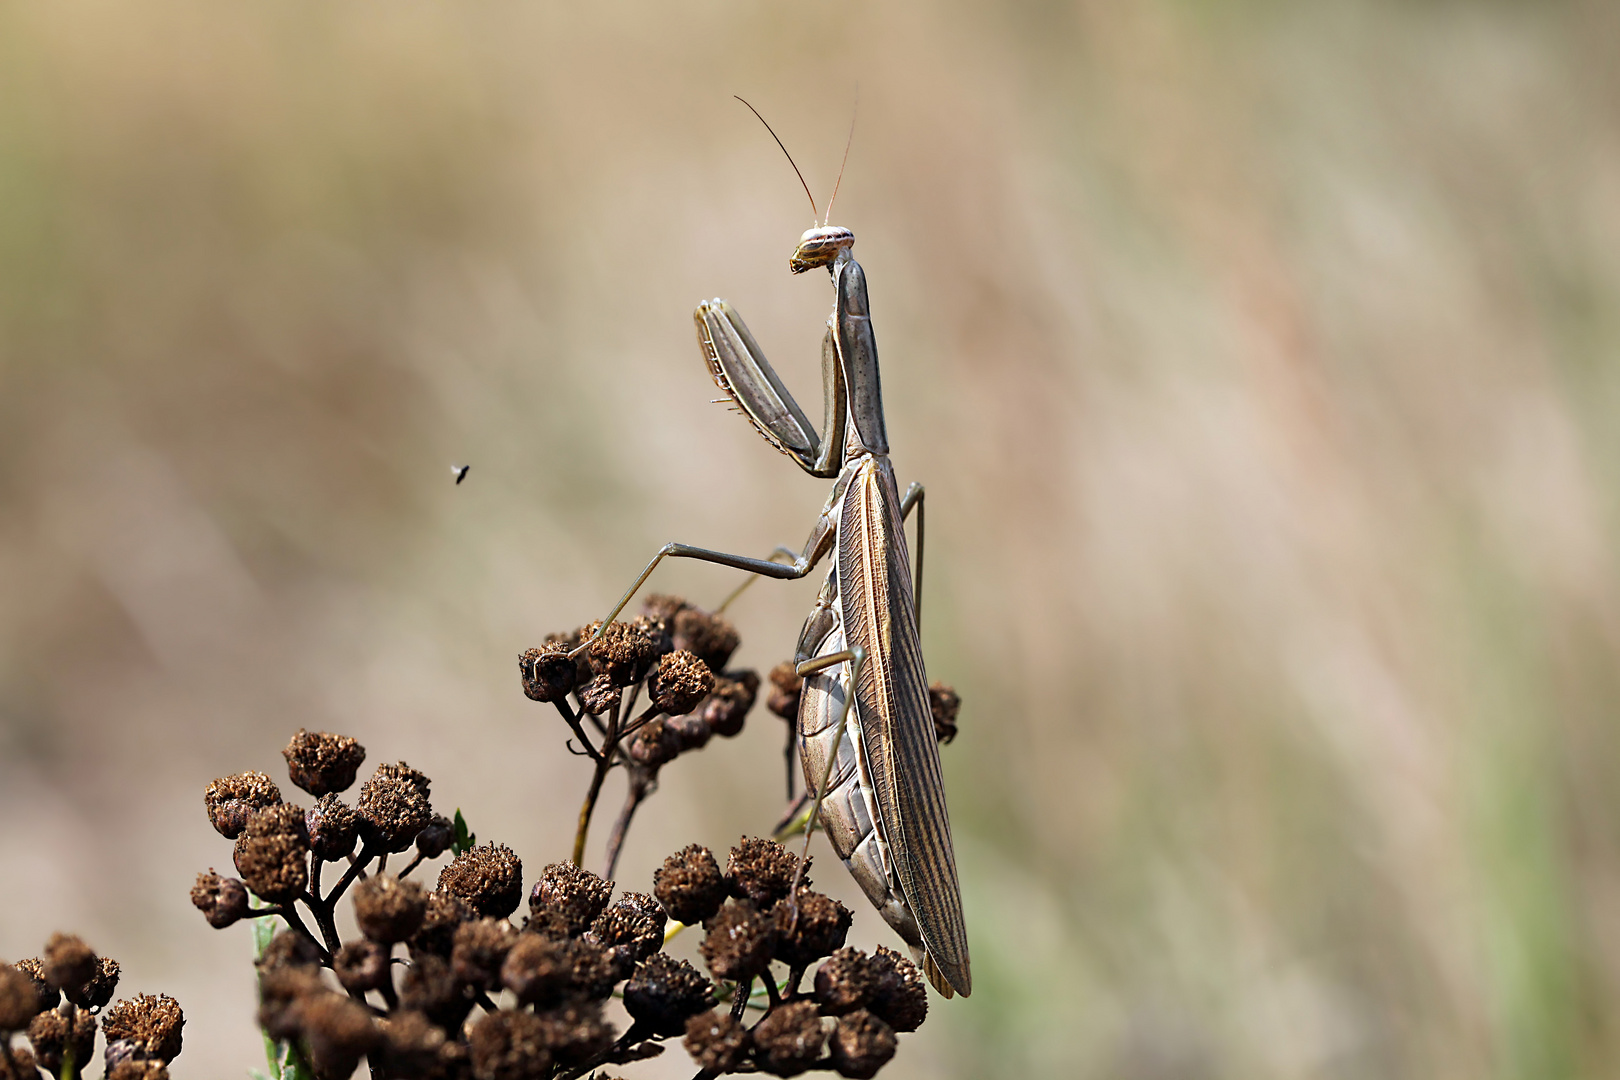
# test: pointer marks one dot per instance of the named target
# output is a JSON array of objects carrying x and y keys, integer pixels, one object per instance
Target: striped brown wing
[{"x": 897, "y": 725}]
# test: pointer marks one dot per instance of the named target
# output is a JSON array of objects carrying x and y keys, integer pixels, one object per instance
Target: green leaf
[{"x": 465, "y": 837}]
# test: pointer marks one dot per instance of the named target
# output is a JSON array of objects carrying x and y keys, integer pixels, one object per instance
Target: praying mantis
[{"x": 866, "y": 733}]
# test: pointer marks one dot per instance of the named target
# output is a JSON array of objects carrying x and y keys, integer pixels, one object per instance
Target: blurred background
[{"x": 1259, "y": 358}]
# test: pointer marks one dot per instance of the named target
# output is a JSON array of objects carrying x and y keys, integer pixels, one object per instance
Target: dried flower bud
[
  {"x": 387, "y": 909},
  {"x": 272, "y": 854},
  {"x": 548, "y": 673},
  {"x": 945, "y": 704},
  {"x": 222, "y": 900},
  {"x": 393, "y": 807},
  {"x": 727, "y": 706},
  {"x": 99, "y": 989},
  {"x": 899, "y": 994},
  {"x": 23, "y": 1065},
  {"x": 689, "y": 731},
  {"x": 628, "y": 924},
  {"x": 18, "y": 1002},
  {"x": 282, "y": 994},
  {"x": 52, "y": 1035},
  {"x": 231, "y": 800},
  {"x": 716, "y": 1042},
  {"x": 600, "y": 695},
  {"x": 810, "y": 929},
  {"x": 48, "y": 995},
  {"x": 322, "y": 763},
  {"x": 654, "y": 745},
  {"x": 288, "y": 949},
  {"x": 509, "y": 1045},
  {"x": 680, "y": 682},
  {"x": 362, "y": 965},
  {"x": 436, "y": 839},
  {"x": 69, "y": 962},
  {"x": 593, "y": 970},
  {"x": 412, "y": 1046},
  {"x": 488, "y": 877},
  {"x": 538, "y": 969},
  {"x": 333, "y": 828},
  {"x": 789, "y": 1040},
  {"x": 445, "y": 912},
  {"x": 689, "y": 885},
  {"x": 738, "y": 942},
  {"x": 762, "y": 871},
  {"x": 338, "y": 1032},
  {"x": 480, "y": 950},
  {"x": 711, "y": 638},
  {"x": 431, "y": 988},
  {"x": 861, "y": 1045},
  {"x": 624, "y": 653},
  {"x": 152, "y": 1022},
  {"x": 786, "y": 685},
  {"x": 576, "y": 1032},
  {"x": 137, "y": 1069},
  {"x": 578, "y": 895},
  {"x": 845, "y": 982},
  {"x": 664, "y": 992}
]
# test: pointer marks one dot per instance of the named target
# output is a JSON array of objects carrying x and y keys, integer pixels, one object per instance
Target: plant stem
[
  {"x": 604, "y": 761},
  {"x": 641, "y": 785}
]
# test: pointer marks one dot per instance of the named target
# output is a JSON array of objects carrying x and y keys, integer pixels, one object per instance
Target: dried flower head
[
  {"x": 283, "y": 993},
  {"x": 272, "y": 854},
  {"x": 388, "y": 909},
  {"x": 899, "y": 994},
  {"x": 333, "y": 828},
  {"x": 786, "y": 685},
  {"x": 488, "y": 877},
  {"x": 222, "y": 900},
  {"x": 654, "y": 745},
  {"x": 69, "y": 962},
  {"x": 576, "y": 1032},
  {"x": 945, "y": 704},
  {"x": 231, "y": 800},
  {"x": 710, "y": 637},
  {"x": 716, "y": 1041},
  {"x": 288, "y": 949},
  {"x": 152, "y": 1022},
  {"x": 413, "y": 1046},
  {"x": 52, "y": 1035},
  {"x": 628, "y": 926},
  {"x": 436, "y": 839},
  {"x": 665, "y": 992},
  {"x": 393, "y": 807},
  {"x": 18, "y": 1002},
  {"x": 538, "y": 969},
  {"x": 47, "y": 994},
  {"x": 681, "y": 680},
  {"x": 762, "y": 871},
  {"x": 322, "y": 763},
  {"x": 689, "y": 885},
  {"x": 99, "y": 989},
  {"x": 362, "y": 965},
  {"x": 624, "y": 652},
  {"x": 579, "y": 896},
  {"x": 861, "y": 1045},
  {"x": 480, "y": 949},
  {"x": 509, "y": 1045},
  {"x": 845, "y": 982},
  {"x": 738, "y": 941},
  {"x": 338, "y": 1032},
  {"x": 445, "y": 912},
  {"x": 600, "y": 695},
  {"x": 548, "y": 673},
  {"x": 690, "y": 732},
  {"x": 789, "y": 1040},
  {"x": 728, "y": 704},
  {"x": 431, "y": 988},
  {"x": 137, "y": 1069},
  {"x": 810, "y": 928}
]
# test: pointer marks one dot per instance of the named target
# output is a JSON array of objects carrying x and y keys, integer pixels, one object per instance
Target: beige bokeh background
[{"x": 1260, "y": 360}]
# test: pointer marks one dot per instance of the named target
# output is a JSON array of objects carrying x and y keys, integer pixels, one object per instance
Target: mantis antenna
[
  {"x": 841, "y": 164},
  {"x": 813, "y": 212}
]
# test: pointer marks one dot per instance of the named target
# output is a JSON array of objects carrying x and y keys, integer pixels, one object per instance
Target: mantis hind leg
[
  {"x": 855, "y": 656},
  {"x": 913, "y": 498}
]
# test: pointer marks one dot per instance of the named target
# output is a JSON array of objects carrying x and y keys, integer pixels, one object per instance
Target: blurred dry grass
[{"x": 1259, "y": 359}]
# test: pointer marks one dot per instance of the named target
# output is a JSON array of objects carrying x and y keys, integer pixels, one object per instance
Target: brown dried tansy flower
[
  {"x": 624, "y": 652},
  {"x": 283, "y": 993},
  {"x": 152, "y": 1022},
  {"x": 945, "y": 704},
  {"x": 576, "y": 1032},
  {"x": 728, "y": 703},
  {"x": 333, "y": 828},
  {"x": 431, "y": 988},
  {"x": 288, "y": 949},
  {"x": 412, "y": 1046},
  {"x": 899, "y": 994},
  {"x": 716, "y": 1041},
  {"x": 509, "y": 1045},
  {"x": 231, "y": 800},
  {"x": 222, "y": 900},
  {"x": 18, "y": 1002},
  {"x": 813, "y": 927},
  {"x": 646, "y": 904},
  {"x": 762, "y": 871},
  {"x": 338, "y": 1031},
  {"x": 393, "y": 807},
  {"x": 322, "y": 763},
  {"x": 690, "y": 732},
  {"x": 665, "y": 992},
  {"x": 137, "y": 1069},
  {"x": 480, "y": 950},
  {"x": 548, "y": 673},
  {"x": 689, "y": 885},
  {"x": 488, "y": 877},
  {"x": 538, "y": 969},
  {"x": 861, "y": 1045},
  {"x": 436, "y": 839},
  {"x": 272, "y": 854},
  {"x": 593, "y": 969},
  {"x": 681, "y": 680},
  {"x": 23, "y": 1065},
  {"x": 49, "y": 996},
  {"x": 51, "y": 1034},
  {"x": 99, "y": 989},
  {"x": 578, "y": 895},
  {"x": 654, "y": 745},
  {"x": 845, "y": 982},
  {"x": 627, "y": 926},
  {"x": 600, "y": 695},
  {"x": 362, "y": 965},
  {"x": 69, "y": 962},
  {"x": 445, "y": 912},
  {"x": 388, "y": 909},
  {"x": 711, "y": 638},
  {"x": 738, "y": 942},
  {"x": 786, "y": 686},
  {"x": 789, "y": 1040}
]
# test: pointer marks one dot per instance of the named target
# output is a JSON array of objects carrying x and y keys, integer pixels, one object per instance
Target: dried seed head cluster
[{"x": 56, "y": 997}]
